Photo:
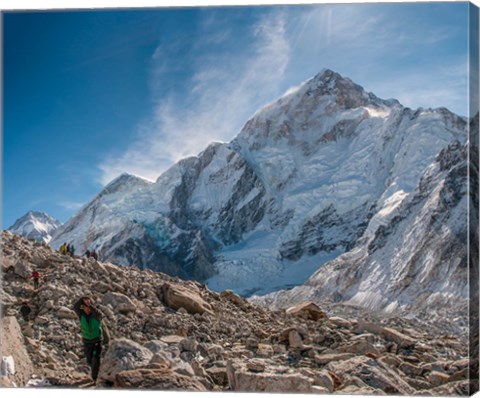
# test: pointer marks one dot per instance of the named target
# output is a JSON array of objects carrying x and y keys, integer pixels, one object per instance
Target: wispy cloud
[
  {"x": 223, "y": 91},
  {"x": 442, "y": 86},
  {"x": 71, "y": 206},
  {"x": 225, "y": 80},
  {"x": 392, "y": 52}
]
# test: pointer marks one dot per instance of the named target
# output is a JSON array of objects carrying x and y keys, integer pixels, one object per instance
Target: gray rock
[
  {"x": 23, "y": 269},
  {"x": 372, "y": 373},
  {"x": 327, "y": 358},
  {"x": 188, "y": 344},
  {"x": 119, "y": 302},
  {"x": 294, "y": 339},
  {"x": 218, "y": 375},
  {"x": 240, "y": 379},
  {"x": 437, "y": 378},
  {"x": 64, "y": 312},
  {"x": 158, "y": 379},
  {"x": 256, "y": 365},
  {"x": 123, "y": 354},
  {"x": 177, "y": 296},
  {"x": 307, "y": 310},
  {"x": 265, "y": 350}
]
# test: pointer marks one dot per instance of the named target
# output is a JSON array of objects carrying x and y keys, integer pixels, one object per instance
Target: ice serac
[
  {"x": 309, "y": 177},
  {"x": 36, "y": 225}
]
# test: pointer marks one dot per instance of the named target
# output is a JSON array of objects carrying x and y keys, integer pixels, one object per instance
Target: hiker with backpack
[
  {"x": 94, "y": 333},
  {"x": 36, "y": 279},
  {"x": 25, "y": 311},
  {"x": 63, "y": 248},
  {"x": 94, "y": 254}
]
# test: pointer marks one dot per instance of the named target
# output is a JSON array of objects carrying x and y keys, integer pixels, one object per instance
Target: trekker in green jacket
[{"x": 94, "y": 332}]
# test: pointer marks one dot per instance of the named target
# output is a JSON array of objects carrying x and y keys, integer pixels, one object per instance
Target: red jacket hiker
[{"x": 35, "y": 276}]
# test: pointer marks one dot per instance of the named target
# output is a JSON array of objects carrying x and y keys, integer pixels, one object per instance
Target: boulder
[
  {"x": 23, "y": 269},
  {"x": 359, "y": 347},
  {"x": 156, "y": 346},
  {"x": 119, "y": 302},
  {"x": 188, "y": 344},
  {"x": 402, "y": 340},
  {"x": 294, "y": 339},
  {"x": 167, "y": 360},
  {"x": 410, "y": 369},
  {"x": 218, "y": 375},
  {"x": 327, "y": 358},
  {"x": 233, "y": 298},
  {"x": 172, "y": 339},
  {"x": 241, "y": 379},
  {"x": 178, "y": 296},
  {"x": 159, "y": 379},
  {"x": 256, "y": 365},
  {"x": 321, "y": 379},
  {"x": 123, "y": 354},
  {"x": 215, "y": 350},
  {"x": 371, "y": 373},
  {"x": 437, "y": 378},
  {"x": 307, "y": 310},
  {"x": 13, "y": 349},
  {"x": 265, "y": 350},
  {"x": 64, "y": 312},
  {"x": 340, "y": 322},
  {"x": 324, "y": 379},
  {"x": 389, "y": 334},
  {"x": 161, "y": 360}
]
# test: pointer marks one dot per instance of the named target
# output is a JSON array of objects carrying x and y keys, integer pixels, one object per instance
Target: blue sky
[{"x": 88, "y": 95}]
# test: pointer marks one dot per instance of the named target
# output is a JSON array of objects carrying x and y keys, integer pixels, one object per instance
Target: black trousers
[{"x": 93, "y": 350}]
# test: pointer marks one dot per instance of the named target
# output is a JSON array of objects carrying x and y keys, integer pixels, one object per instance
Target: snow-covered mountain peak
[
  {"x": 304, "y": 181},
  {"x": 326, "y": 103},
  {"x": 36, "y": 225},
  {"x": 125, "y": 181}
]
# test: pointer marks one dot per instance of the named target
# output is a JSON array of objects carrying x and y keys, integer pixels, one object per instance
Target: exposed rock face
[
  {"x": 14, "y": 354},
  {"x": 234, "y": 346}
]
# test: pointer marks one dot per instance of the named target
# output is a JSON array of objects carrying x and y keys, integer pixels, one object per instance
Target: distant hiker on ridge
[
  {"x": 94, "y": 332},
  {"x": 72, "y": 250},
  {"x": 36, "y": 278},
  {"x": 87, "y": 253},
  {"x": 94, "y": 254},
  {"x": 63, "y": 248}
]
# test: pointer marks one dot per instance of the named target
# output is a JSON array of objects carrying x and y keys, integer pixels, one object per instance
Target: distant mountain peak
[
  {"x": 125, "y": 180},
  {"x": 346, "y": 92},
  {"x": 36, "y": 225}
]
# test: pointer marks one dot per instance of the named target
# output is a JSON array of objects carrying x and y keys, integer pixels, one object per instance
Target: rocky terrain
[{"x": 171, "y": 334}]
